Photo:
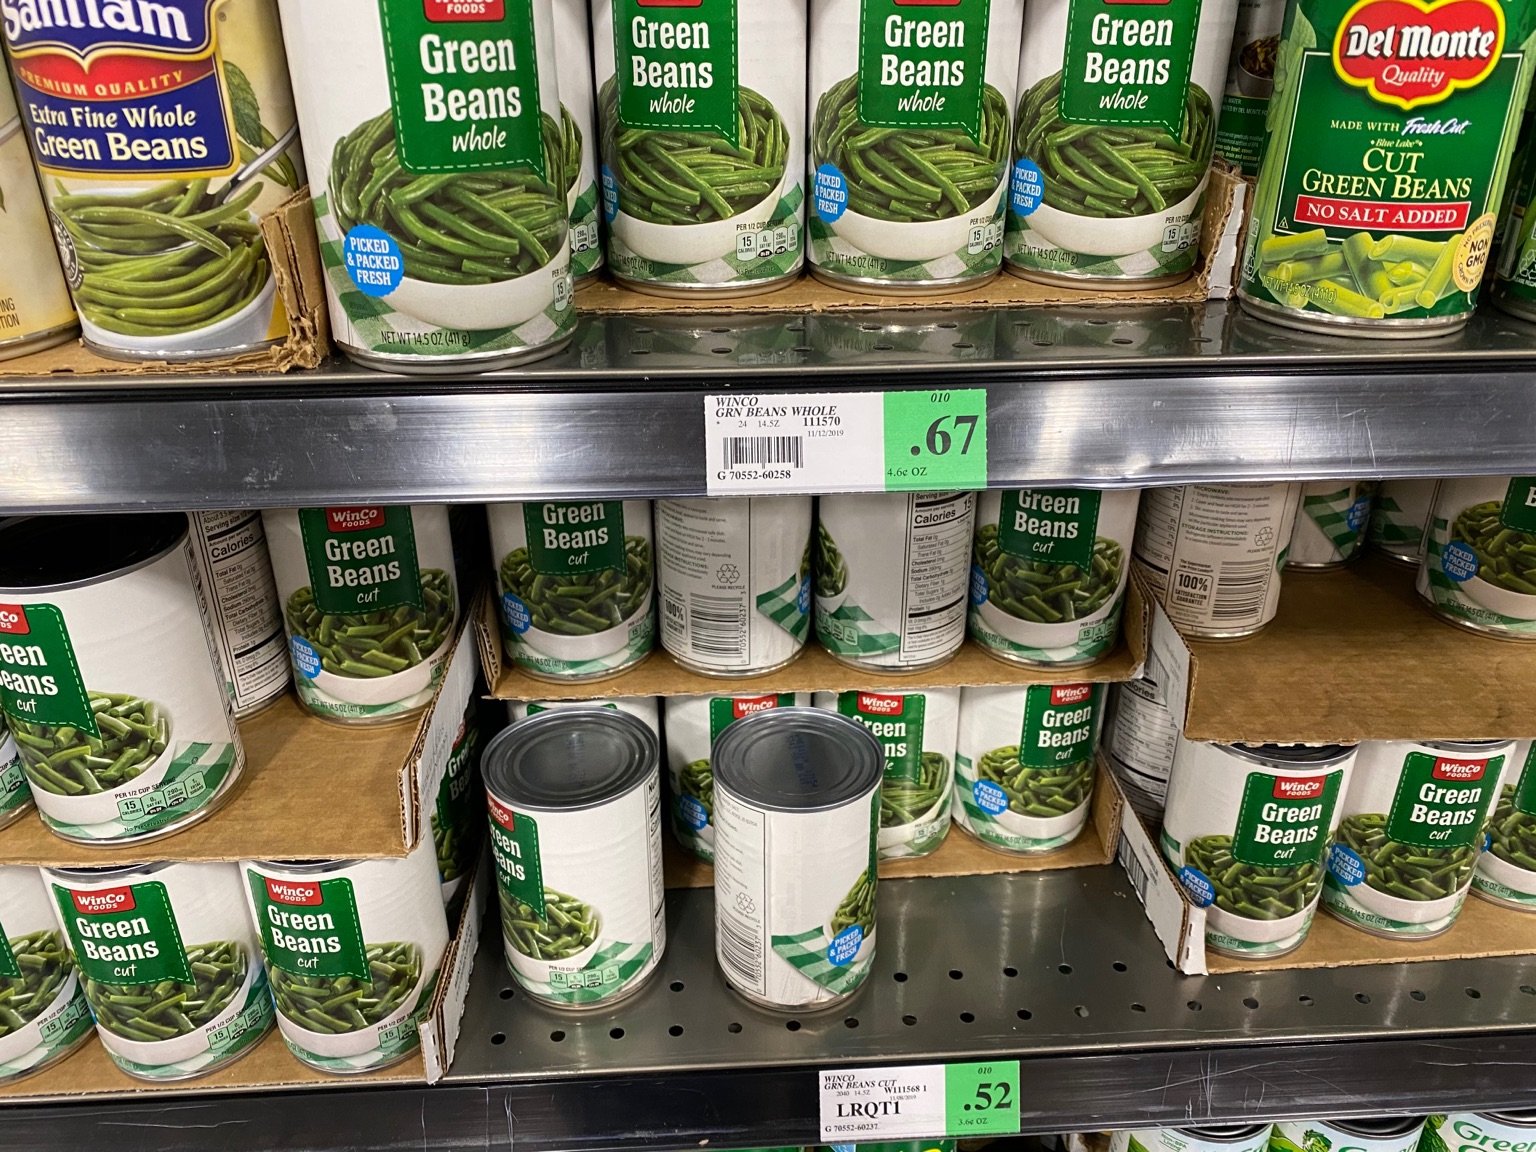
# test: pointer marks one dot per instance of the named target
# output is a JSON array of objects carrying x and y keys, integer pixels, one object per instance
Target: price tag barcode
[{"x": 920, "y": 1101}]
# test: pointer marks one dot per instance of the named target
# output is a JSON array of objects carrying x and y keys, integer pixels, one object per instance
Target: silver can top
[
  {"x": 798, "y": 760},
  {"x": 52, "y": 553},
  {"x": 1379, "y": 1127},
  {"x": 1294, "y": 755},
  {"x": 570, "y": 759}
]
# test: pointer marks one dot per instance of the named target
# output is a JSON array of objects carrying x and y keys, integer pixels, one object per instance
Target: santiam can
[
  {"x": 1212, "y": 1138},
  {"x": 1330, "y": 524},
  {"x": 47, "y": 1017},
  {"x": 231, "y": 553},
  {"x": 1480, "y": 555},
  {"x": 1387, "y": 1134},
  {"x": 578, "y": 134},
  {"x": 1399, "y": 515},
  {"x": 1250, "y": 80},
  {"x": 1506, "y": 871}
]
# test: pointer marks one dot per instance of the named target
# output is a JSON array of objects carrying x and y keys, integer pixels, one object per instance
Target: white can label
[
  {"x": 1331, "y": 523},
  {"x": 46, "y": 1013},
  {"x": 1142, "y": 732},
  {"x": 232, "y": 557},
  {"x": 1321, "y": 1136},
  {"x": 1399, "y": 514},
  {"x": 1480, "y": 553},
  {"x": 1180, "y": 1140},
  {"x": 1506, "y": 871}
]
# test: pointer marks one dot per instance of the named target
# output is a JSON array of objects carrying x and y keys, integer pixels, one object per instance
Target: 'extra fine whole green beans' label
[
  {"x": 911, "y": 138},
  {"x": 1250, "y": 80},
  {"x": 455, "y": 819},
  {"x": 1399, "y": 515},
  {"x": 575, "y": 578},
  {"x": 369, "y": 599},
  {"x": 1025, "y": 764},
  {"x": 34, "y": 300},
  {"x": 1049, "y": 572},
  {"x": 1480, "y": 554},
  {"x": 1248, "y": 837},
  {"x": 46, "y": 1015},
  {"x": 1506, "y": 871},
  {"x": 701, "y": 107},
  {"x": 1331, "y": 523},
  {"x": 1414, "y": 822},
  {"x": 15, "y": 796},
  {"x": 578, "y": 133},
  {"x": 1390, "y": 135},
  {"x": 437, "y": 160},
  {"x": 169, "y": 963},
  {"x": 1321, "y": 1136},
  {"x": 353, "y": 949},
  {"x": 1114, "y": 129},
  {"x": 162, "y": 133}
]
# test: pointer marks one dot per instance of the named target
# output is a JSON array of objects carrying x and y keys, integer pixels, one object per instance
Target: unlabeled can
[
  {"x": 734, "y": 577},
  {"x": 918, "y": 731},
  {"x": 1211, "y": 1138},
  {"x": 575, "y": 578},
  {"x": 1025, "y": 764},
  {"x": 1414, "y": 822},
  {"x": 1141, "y": 733},
  {"x": 1049, "y": 573},
  {"x": 1399, "y": 515},
  {"x": 1212, "y": 553},
  {"x": 169, "y": 963},
  {"x": 1247, "y": 829},
  {"x": 644, "y": 708},
  {"x": 890, "y": 577},
  {"x": 1330, "y": 524},
  {"x": 108, "y": 678},
  {"x": 911, "y": 141},
  {"x": 15, "y": 795},
  {"x": 162, "y": 134},
  {"x": 1112, "y": 146},
  {"x": 797, "y": 812},
  {"x": 236, "y": 569},
  {"x": 1480, "y": 1131},
  {"x": 354, "y": 949},
  {"x": 46, "y": 1015},
  {"x": 1384, "y": 1134},
  {"x": 1506, "y": 870},
  {"x": 456, "y": 823},
  {"x": 436, "y": 157},
  {"x": 701, "y": 110},
  {"x": 369, "y": 600},
  {"x": 1480, "y": 555},
  {"x": 575, "y": 817},
  {"x": 1250, "y": 80},
  {"x": 578, "y": 133}
]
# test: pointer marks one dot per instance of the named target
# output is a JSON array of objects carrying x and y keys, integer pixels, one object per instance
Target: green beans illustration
[
  {"x": 910, "y": 174},
  {"x": 68, "y": 761},
  {"x": 1048, "y": 593},
  {"x": 567, "y": 927},
  {"x": 586, "y": 603},
  {"x": 170, "y": 259},
  {"x": 570, "y": 148},
  {"x": 908, "y": 801},
  {"x": 1259, "y": 892},
  {"x": 1405, "y": 870},
  {"x": 448, "y": 838},
  {"x": 1506, "y": 557},
  {"x": 372, "y": 645},
  {"x": 858, "y": 907},
  {"x": 695, "y": 177},
  {"x": 1110, "y": 170},
  {"x": 698, "y": 780},
  {"x": 1512, "y": 833},
  {"x": 44, "y": 963},
  {"x": 171, "y": 1008},
  {"x": 831, "y": 568},
  {"x": 463, "y": 229},
  {"x": 1041, "y": 792},
  {"x": 336, "y": 1005}
]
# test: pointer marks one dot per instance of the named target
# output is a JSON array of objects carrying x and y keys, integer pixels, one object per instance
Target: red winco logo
[
  {"x": 463, "y": 11},
  {"x": 104, "y": 903},
  {"x": 354, "y": 519},
  {"x": 13, "y": 620},
  {"x": 502, "y": 814},
  {"x": 293, "y": 892},
  {"x": 746, "y": 705},
  {"x": 1308, "y": 788},
  {"x": 879, "y": 704},
  {"x": 1408, "y": 52},
  {"x": 1460, "y": 770},
  {"x": 1063, "y": 695}
]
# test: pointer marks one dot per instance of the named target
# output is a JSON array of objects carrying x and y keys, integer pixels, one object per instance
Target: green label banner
[
  {"x": 922, "y": 63},
  {"x": 361, "y": 559},
  {"x": 515, "y": 848},
  {"x": 1050, "y": 525},
  {"x": 726, "y": 710},
  {"x": 126, "y": 935},
  {"x": 1128, "y": 62},
  {"x": 1284, "y": 820},
  {"x": 39, "y": 676},
  {"x": 896, "y": 721},
  {"x": 1061, "y": 724},
  {"x": 575, "y": 537},
  {"x": 677, "y": 65},
  {"x": 310, "y": 927},
  {"x": 1441, "y": 801}
]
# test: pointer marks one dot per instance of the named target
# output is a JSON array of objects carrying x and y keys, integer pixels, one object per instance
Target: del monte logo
[{"x": 1412, "y": 52}]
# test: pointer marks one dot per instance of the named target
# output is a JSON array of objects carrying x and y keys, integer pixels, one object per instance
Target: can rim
[
  {"x": 1225, "y": 1133},
  {"x": 306, "y": 867},
  {"x": 109, "y": 871},
  {"x": 175, "y": 537},
  {"x": 1464, "y": 745},
  {"x": 1515, "y": 1118},
  {"x": 500, "y": 761},
  {"x": 1378, "y": 1127},
  {"x": 865, "y": 759},
  {"x": 1292, "y": 755}
]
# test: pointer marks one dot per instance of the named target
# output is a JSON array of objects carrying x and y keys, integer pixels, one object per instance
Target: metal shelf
[{"x": 1106, "y": 396}]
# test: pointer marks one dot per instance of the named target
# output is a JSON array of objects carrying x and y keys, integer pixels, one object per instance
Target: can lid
[
  {"x": 1523, "y": 1118},
  {"x": 1379, "y": 1127},
  {"x": 1475, "y": 747},
  {"x": 108, "y": 871},
  {"x": 1300, "y": 755},
  {"x": 47, "y": 552},
  {"x": 305, "y": 867},
  {"x": 1226, "y": 1133},
  {"x": 798, "y": 759},
  {"x": 570, "y": 759}
]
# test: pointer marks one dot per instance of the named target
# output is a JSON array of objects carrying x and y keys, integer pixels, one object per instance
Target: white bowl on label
[
  {"x": 1257, "y": 931},
  {"x": 1503, "y": 872},
  {"x": 1099, "y": 236},
  {"x": 693, "y": 243},
  {"x": 1406, "y": 911},
  {"x": 481, "y": 307},
  {"x": 344, "y": 1044},
  {"x": 1054, "y": 828},
  {"x": 539, "y": 971},
  {"x": 189, "y": 1045},
  {"x": 592, "y": 647},
  {"x": 27, "y": 1041},
  {"x": 928, "y": 240},
  {"x": 1516, "y": 605},
  {"x": 102, "y": 807},
  {"x": 373, "y": 691},
  {"x": 250, "y": 326},
  {"x": 1033, "y": 635}
]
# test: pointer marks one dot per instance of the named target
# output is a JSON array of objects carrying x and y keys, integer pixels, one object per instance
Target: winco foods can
[
  {"x": 575, "y": 806},
  {"x": 1049, "y": 573},
  {"x": 734, "y": 579},
  {"x": 1213, "y": 1138},
  {"x": 1247, "y": 828},
  {"x": 693, "y": 724},
  {"x": 369, "y": 600},
  {"x": 1413, "y": 824},
  {"x": 456, "y": 823},
  {"x": 890, "y": 575},
  {"x": 15, "y": 795},
  {"x": 1141, "y": 733},
  {"x": 578, "y": 133},
  {"x": 108, "y": 679},
  {"x": 169, "y": 964},
  {"x": 701, "y": 111},
  {"x": 1387, "y": 1134},
  {"x": 911, "y": 141},
  {"x": 162, "y": 134},
  {"x": 1212, "y": 553},
  {"x": 46, "y": 1015},
  {"x": 797, "y": 809},
  {"x": 1480, "y": 555},
  {"x": 354, "y": 949},
  {"x": 1250, "y": 80},
  {"x": 1481, "y": 1131},
  {"x": 236, "y": 569},
  {"x": 1506, "y": 870},
  {"x": 1363, "y": 222},
  {"x": 918, "y": 732},
  {"x": 1330, "y": 524},
  {"x": 1025, "y": 764},
  {"x": 646, "y": 709},
  {"x": 1399, "y": 515},
  {"x": 436, "y": 157},
  {"x": 575, "y": 578},
  {"x": 1116, "y": 121}
]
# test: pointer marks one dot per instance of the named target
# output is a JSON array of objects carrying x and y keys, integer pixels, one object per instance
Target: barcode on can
[
  {"x": 762, "y": 451},
  {"x": 1240, "y": 590},
  {"x": 1133, "y": 867},
  {"x": 741, "y": 949},
  {"x": 717, "y": 626}
]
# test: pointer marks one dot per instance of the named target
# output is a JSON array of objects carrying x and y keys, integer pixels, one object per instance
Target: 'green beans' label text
[
  {"x": 726, "y": 710},
  {"x": 1049, "y": 525},
  {"x": 126, "y": 935},
  {"x": 1061, "y": 723},
  {"x": 361, "y": 559},
  {"x": 677, "y": 65},
  {"x": 310, "y": 927},
  {"x": 574, "y": 537},
  {"x": 1128, "y": 62},
  {"x": 515, "y": 849},
  {"x": 1442, "y": 802},
  {"x": 39, "y": 676},
  {"x": 1284, "y": 820},
  {"x": 922, "y": 63},
  {"x": 897, "y": 722}
]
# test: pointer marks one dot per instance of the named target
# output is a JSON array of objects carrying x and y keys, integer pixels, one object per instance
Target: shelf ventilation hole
[
  {"x": 899, "y": 977},
  {"x": 1250, "y": 1003},
  {"x": 792, "y": 1025},
  {"x": 1138, "y": 1007},
  {"x": 1081, "y": 1011},
  {"x": 1195, "y": 1006},
  {"x": 1474, "y": 994},
  {"x": 1528, "y": 990},
  {"x": 1118, "y": 966},
  {"x": 616, "y": 1033},
  {"x": 506, "y": 993},
  {"x": 967, "y": 1018},
  {"x": 909, "y": 1020},
  {"x": 557, "y": 1036},
  {"x": 733, "y": 1027},
  {"x": 1420, "y": 997},
  {"x": 1024, "y": 1014},
  {"x": 499, "y": 1038},
  {"x": 675, "y": 1030},
  {"x": 1064, "y": 969},
  {"x": 1362, "y": 998},
  {"x": 1010, "y": 972},
  {"x": 956, "y": 974},
  {"x": 1304, "y": 1001},
  {"x": 677, "y": 985},
  {"x": 851, "y": 1022}
]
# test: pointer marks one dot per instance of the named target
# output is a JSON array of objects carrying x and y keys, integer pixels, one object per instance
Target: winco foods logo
[
  {"x": 104, "y": 903},
  {"x": 746, "y": 705},
  {"x": 354, "y": 519},
  {"x": 293, "y": 892},
  {"x": 1307, "y": 788},
  {"x": 877, "y": 704},
  {"x": 502, "y": 814},
  {"x": 1408, "y": 52},
  {"x": 1065, "y": 695},
  {"x": 1460, "y": 769},
  {"x": 464, "y": 11},
  {"x": 13, "y": 620}
]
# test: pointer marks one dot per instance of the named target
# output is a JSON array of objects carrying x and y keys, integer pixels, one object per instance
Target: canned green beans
[
  {"x": 575, "y": 578},
  {"x": 646, "y": 709},
  {"x": 455, "y": 819},
  {"x": 1215, "y": 1138},
  {"x": 797, "y": 809},
  {"x": 1506, "y": 870},
  {"x": 890, "y": 577},
  {"x": 439, "y": 179},
  {"x": 1389, "y": 1134},
  {"x": 1414, "y": 822},
  {"x": 236, "y": 570},
  {"x": 701, "y": 110},
  {"x": 1114, "y": 129},
  {"x": 1480, "y": 1131},
  {"x": 107, "y": 676},
  {"x": 369, "y": 600},
  {"x": 1140, "y": 736},
  {"x": 1247, "y": 829},
  {"x": 1049, "y": 572},
  {"x": 578, "y": 132},
  {"x": 15, "y": 796},
  {"x": 1480, "y": 555},
  {"x": 734, "y": 577},
  {"x": 43, "y": 1013},
  {"x": 1250, "y": 80},
  {"x": 575, "y": 809},
  {"x": 169, "y": 964},
  {"x": 1399, "y": 515},
  {"x": 911, "y": 138},
  {"x": 1330, "y": 524},
  {"x": 354, "y": 949},
  {"x": 1025, "y": 764}
]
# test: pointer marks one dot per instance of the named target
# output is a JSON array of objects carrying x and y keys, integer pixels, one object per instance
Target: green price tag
[
  {"x": 981, "y": 1099},
  {"x": 935, "y": 440}
]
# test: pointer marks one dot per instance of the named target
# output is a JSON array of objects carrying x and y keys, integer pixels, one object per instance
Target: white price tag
[
  {"x": 860, "y": 1106},
  {"x": 806, "y": 442}
]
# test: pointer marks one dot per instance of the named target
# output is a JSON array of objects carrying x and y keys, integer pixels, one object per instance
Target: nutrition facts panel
[{"x": 934, "y": 603}]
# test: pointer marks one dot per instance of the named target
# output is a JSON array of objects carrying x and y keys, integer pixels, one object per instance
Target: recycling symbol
[
  {"x": 728, "y": 574},
  {"x": 1264, "y": 537},
  {"x": 745, "y": 903}
]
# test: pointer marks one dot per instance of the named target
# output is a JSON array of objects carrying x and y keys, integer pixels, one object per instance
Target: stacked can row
[{"x": 1454, "y": 1132}]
